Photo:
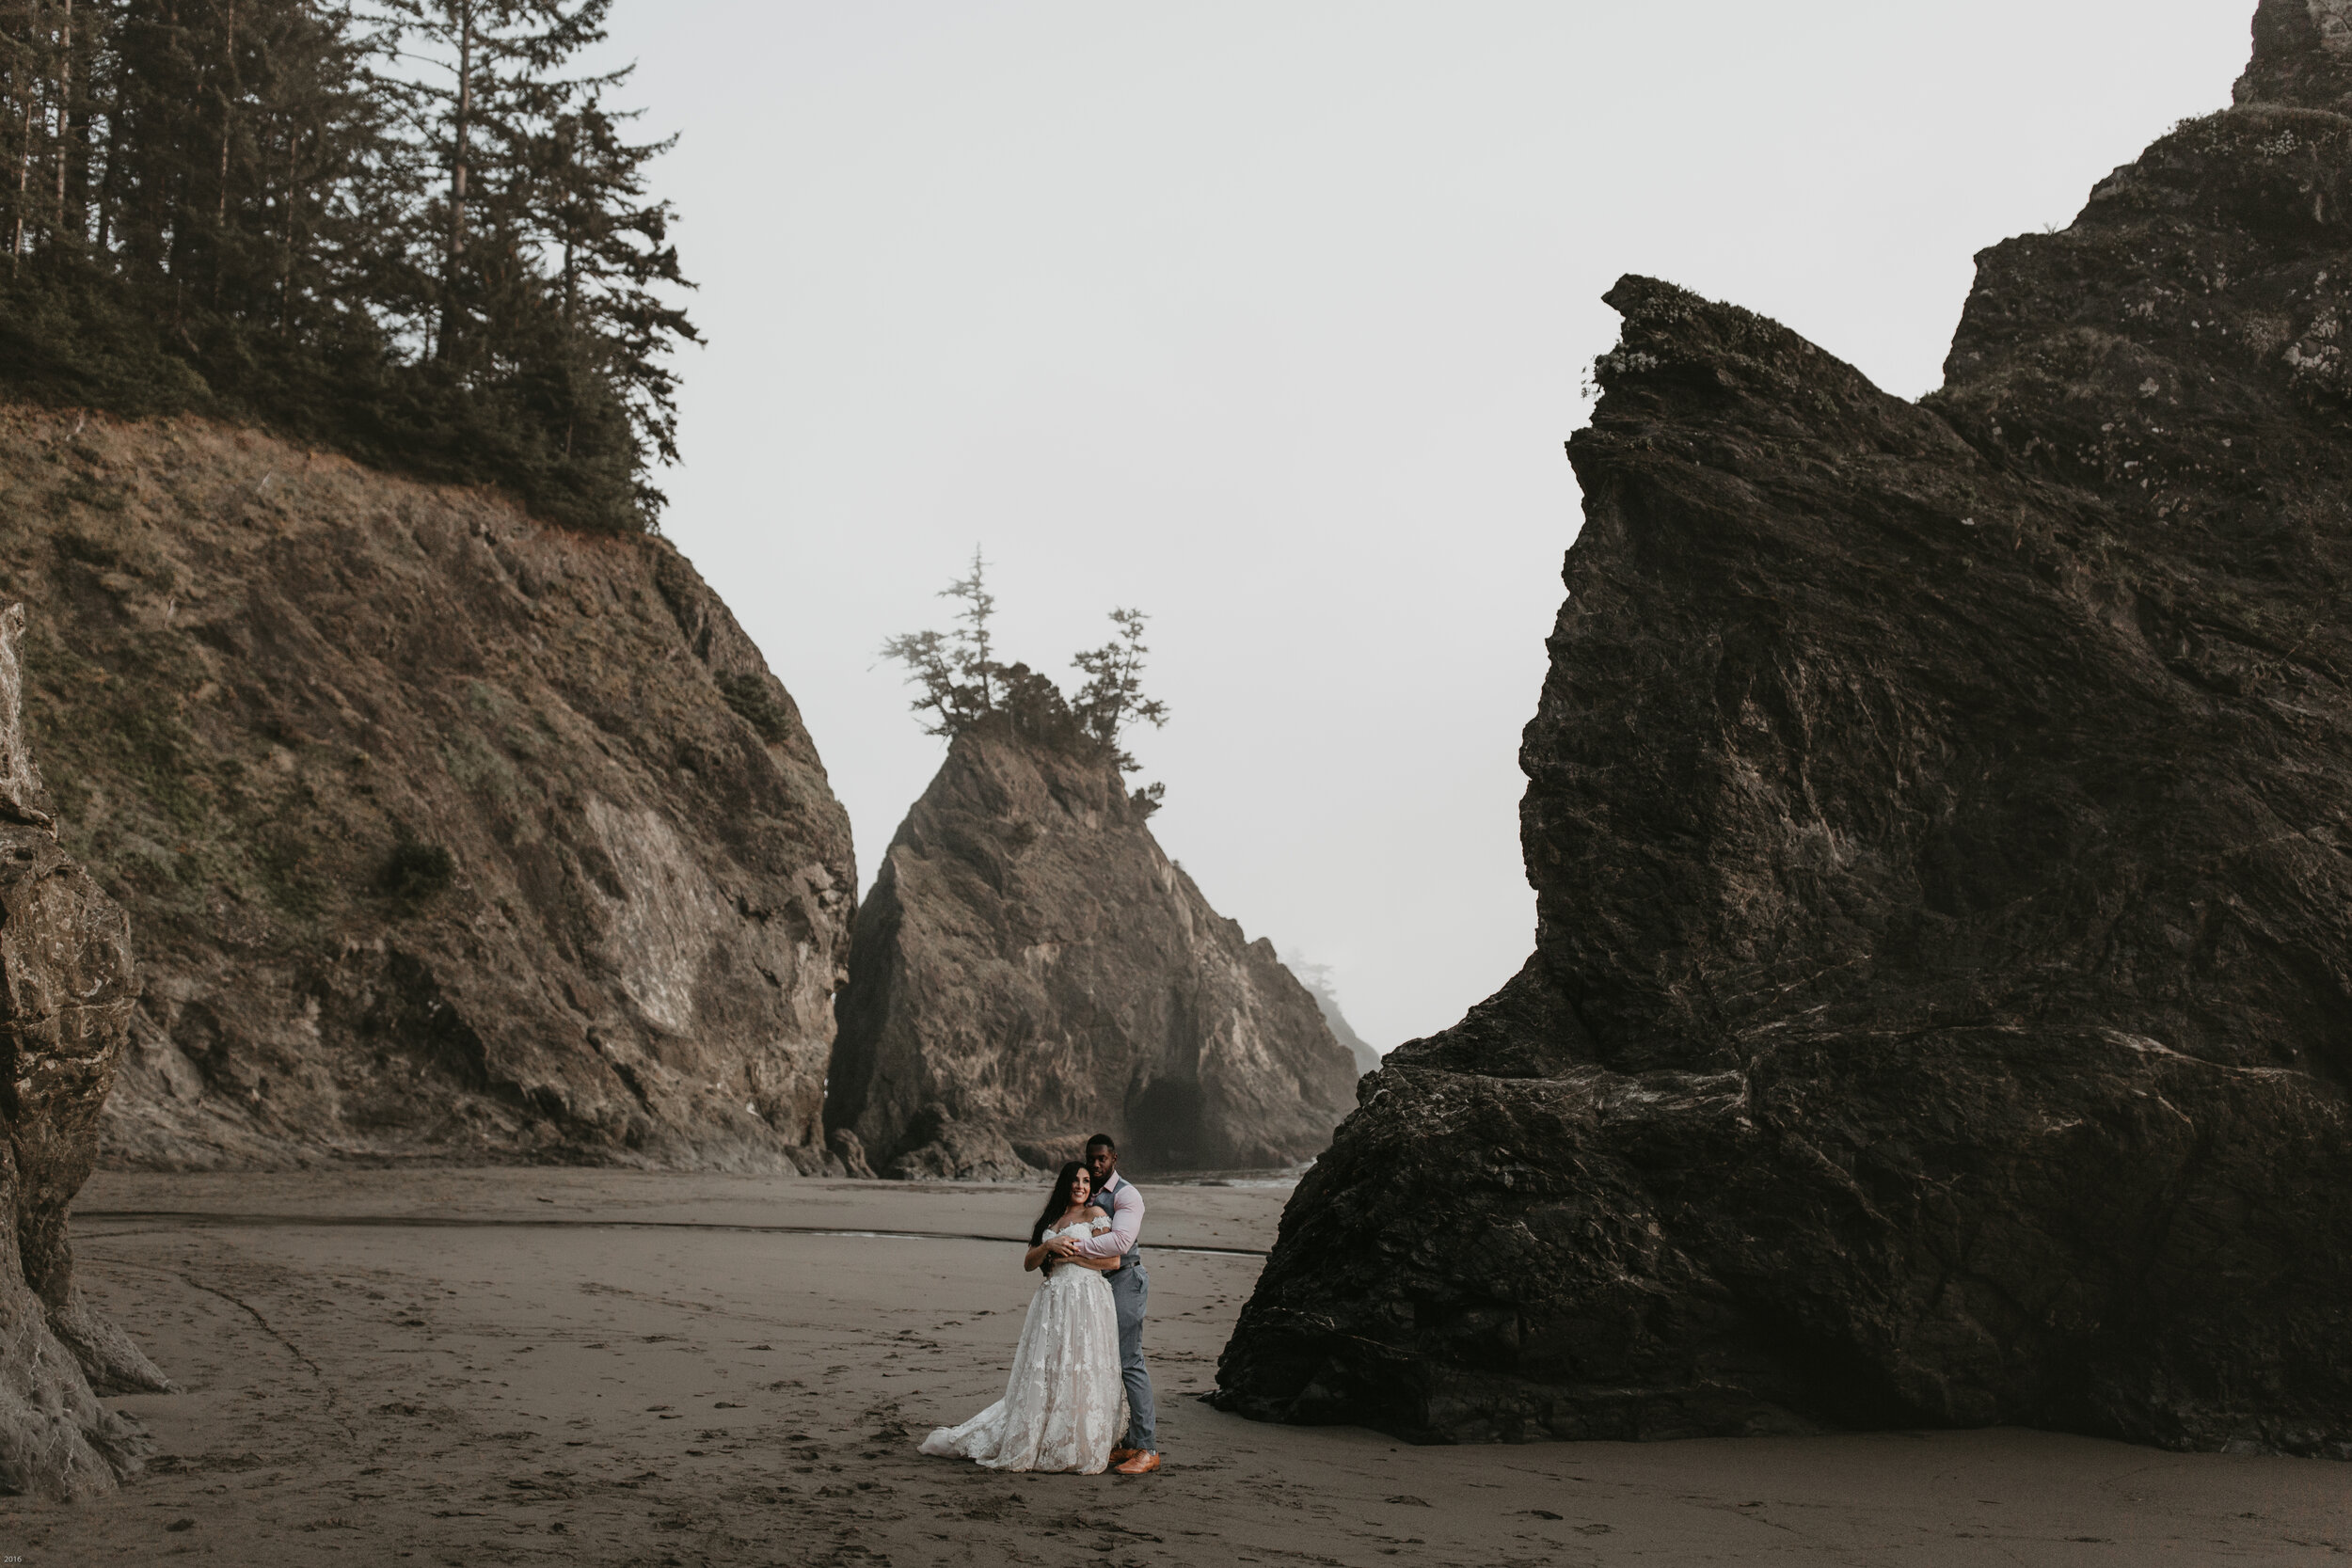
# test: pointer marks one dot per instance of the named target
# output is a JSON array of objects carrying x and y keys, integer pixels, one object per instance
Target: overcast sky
[{"x": 1269, "y": 318}]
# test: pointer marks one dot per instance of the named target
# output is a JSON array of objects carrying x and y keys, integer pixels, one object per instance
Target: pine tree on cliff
[
  {"x": 536, "y": 170},
  {"x": 588, "y": 200},
  {"x": 398, "y": 227},
  {"x": 232, "y": 140}
]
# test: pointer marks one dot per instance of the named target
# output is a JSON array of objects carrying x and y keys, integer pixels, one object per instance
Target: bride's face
[{"x": 1081, "y": 1189}]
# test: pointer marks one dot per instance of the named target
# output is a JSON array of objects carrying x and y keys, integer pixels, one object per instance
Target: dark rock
[
  {"x": 1941, "y": 821},
  {"x": 448, "y": 836},
  {"x": 2302, "y": 54},
  {"x": 942, "y": 1149},
  {"x": 850, "y": 1152},
  {"x": 67, "y": 989},
  {"x": 1030, "y": 969}
]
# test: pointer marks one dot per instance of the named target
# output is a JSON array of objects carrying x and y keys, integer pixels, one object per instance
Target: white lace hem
[{"x": 1064, "y": 1403}]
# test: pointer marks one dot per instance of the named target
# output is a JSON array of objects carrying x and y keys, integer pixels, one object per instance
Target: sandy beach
[{"x": 556, "y": 1366}]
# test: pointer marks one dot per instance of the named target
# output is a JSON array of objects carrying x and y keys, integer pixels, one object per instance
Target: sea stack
[
  {"x": 1941, "y": 821},
  {"x": 1030, "y": 969}
]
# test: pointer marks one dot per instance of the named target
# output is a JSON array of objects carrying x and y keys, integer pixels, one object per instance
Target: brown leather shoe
[
  {"x": 1121, "y": 1454},
  {"x": 1141, "y": 1464}
]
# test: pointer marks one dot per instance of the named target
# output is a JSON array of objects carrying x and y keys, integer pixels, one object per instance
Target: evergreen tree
[
  {"x": 1112, "y": 697},
  {"x": 956, "y": 670},
  {"x": 583, "y": 192},
  {"x": 403, "y": 229},
  {"x": 484, "y": 77},
  {"x": 46, "y": 123},
  {"x": 961, "y": 683}
]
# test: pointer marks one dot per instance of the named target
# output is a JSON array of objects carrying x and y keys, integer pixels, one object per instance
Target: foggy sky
[{"x": 1270, "y": 319}]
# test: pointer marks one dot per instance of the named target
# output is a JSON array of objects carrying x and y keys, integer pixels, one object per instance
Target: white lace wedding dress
[{"x": 1064, "y": 1403}]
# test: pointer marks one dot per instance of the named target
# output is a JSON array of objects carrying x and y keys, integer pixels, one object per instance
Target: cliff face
[
  {"x": 1358, "y": 1049},
  {"x": 1030, "y": 969},
  {"x": 67, "y": 989},
  {"x": 1941, "y": 818},
  {"x": 447, "y": 835}
]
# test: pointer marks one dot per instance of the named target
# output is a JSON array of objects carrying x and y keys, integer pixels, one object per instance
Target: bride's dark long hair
[{"x": 1065, "y": 1194}]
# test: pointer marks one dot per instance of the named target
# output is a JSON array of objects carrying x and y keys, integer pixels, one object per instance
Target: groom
[{"x": 1131, "y": 1286}]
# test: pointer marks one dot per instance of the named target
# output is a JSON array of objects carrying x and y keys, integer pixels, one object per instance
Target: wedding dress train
[{"x": 1064, "y": 1403}]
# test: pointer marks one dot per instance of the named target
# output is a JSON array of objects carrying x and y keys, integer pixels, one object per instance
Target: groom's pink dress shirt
[{"x": 1126, "y": 1224}]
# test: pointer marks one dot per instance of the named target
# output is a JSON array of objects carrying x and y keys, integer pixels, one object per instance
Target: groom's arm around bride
[{"x": 1131, "y": 1289}]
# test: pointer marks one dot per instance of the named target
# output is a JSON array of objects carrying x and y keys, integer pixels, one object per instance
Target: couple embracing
[{"x": 1078, "y": 1397}]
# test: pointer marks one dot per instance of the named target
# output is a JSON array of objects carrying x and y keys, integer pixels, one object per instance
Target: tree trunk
[
  {"x": 24, "y": 181},
  {"x": 227, "y": 110},
  {"x": 80, "y": 111},
  {"x": 285, "y": 265},
  {"x": 108, "y": 185},
  {"x": 65, "y": 107},
  {"x": 463, "y": 10}
]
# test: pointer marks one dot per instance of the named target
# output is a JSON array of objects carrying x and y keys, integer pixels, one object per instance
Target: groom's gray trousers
[{"x": 1131, "y": 1288}]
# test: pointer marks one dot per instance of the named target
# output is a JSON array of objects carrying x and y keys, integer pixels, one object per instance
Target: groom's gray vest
[{"x": 1134, "y": 1254}]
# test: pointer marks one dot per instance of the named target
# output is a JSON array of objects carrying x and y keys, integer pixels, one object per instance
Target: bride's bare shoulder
[{"x": 1094, "y": 1211}]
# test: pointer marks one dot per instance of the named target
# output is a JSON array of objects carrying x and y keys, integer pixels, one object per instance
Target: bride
[{"x": 1064, "y": 1404}]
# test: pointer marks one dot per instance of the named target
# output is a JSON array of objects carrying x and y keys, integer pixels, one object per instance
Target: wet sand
[{"x": 593, "y": 1367}]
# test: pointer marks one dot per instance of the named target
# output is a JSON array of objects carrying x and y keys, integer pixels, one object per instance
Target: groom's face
[{"x": 1102, "y": 1162}]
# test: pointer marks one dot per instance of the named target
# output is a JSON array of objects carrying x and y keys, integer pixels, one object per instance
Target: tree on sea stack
[
  {"x": 956, "y": 670},
  {"x": 1112, "y": 697},
  {"x": 963, "y": 683}
]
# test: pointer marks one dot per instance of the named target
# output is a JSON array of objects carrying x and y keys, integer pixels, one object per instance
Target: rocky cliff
[
  {"x": 1317, "y": 980},
  {"x": 1030, "y": 969},
  {"x": 447, "y": 835},
  {"x": 1941, "y": 820},
  {"x": 67, "y": 989}
]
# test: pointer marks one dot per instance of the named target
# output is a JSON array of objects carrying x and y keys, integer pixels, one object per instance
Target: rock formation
[
  {"x": 1317, "y": 980},
  {"x": 1941, "y": 818},
  {"x": 447, "y": 835},
  {"x": 1030, "y": 969},
  {"x": 1358, "y": 1050},
  {"x": 67, "y": 989}
]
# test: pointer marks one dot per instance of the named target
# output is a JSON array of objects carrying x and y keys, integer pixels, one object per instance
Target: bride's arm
[
  {"x": 1043, "y": 1253},
  {"x": 1099, "y": 1265}
]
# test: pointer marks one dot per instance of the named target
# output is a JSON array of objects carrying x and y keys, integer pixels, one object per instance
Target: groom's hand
[{"x": 1062, "y": 1246}]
